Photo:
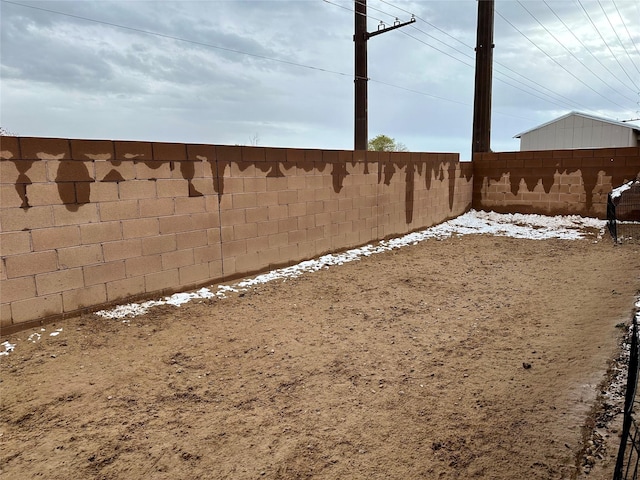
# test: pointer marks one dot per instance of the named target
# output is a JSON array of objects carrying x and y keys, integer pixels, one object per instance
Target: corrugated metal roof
[{"x": 585, "y": 115}]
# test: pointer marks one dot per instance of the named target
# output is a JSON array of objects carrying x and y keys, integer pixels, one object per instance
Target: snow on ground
[{"x": 536, "y": 227}]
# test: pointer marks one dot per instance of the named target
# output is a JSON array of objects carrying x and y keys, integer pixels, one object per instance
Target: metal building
[{"x": 579, "y": 130}]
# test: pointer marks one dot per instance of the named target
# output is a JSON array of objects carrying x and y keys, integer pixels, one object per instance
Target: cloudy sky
[{"x": 280, "y": 73}]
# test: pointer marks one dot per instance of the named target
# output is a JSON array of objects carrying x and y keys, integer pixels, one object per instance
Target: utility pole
[
  {"x": 360, "y": 37},
  {"x": 484, "y": 73}
]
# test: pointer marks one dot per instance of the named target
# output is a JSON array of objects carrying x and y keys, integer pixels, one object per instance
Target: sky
[{"x": 280, "y": 73}]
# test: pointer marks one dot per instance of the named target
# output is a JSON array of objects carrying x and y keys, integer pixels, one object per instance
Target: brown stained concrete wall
[
  {"x": 552, "y": 182},
  {"x": 84, "y": 223}
]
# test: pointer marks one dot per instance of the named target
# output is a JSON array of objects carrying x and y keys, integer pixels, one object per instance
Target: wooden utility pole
[
  {"x": 360, "y": 37},
  {"x": 484, "y": 73}
]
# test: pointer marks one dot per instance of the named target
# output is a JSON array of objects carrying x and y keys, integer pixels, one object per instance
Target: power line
[
  {"x": 567, "y": 50},
  {"x": 570, "y": 104},
  {"x": 625, "y": 27},
  {"x": 556, "y": 62},
  {"x": 617, "y": 36},
  {"x": 606, "y": 44},
  {"x": 586, "y": 47}
]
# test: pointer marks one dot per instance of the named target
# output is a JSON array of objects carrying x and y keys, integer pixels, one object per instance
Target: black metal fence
[
  {"x": 623, "y": 213},
  {"x": 629, "y": 453}
]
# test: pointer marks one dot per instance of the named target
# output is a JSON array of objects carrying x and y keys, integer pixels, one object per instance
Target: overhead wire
[
  {"x": 607, "y": 44},
  {"x": 625, "y": 26},
  {"x": 556, "y": 62},
  {"x": 586, "y": 47},
  {"x": 617, "y": 36},
  {"x": 567, "y": 50},
  {"x": 553, "y": 101}
]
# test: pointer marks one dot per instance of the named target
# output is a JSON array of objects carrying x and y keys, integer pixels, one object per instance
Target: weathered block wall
[
  {"x": 552, "y": 182},
  {"x": 85, "y": 223}
]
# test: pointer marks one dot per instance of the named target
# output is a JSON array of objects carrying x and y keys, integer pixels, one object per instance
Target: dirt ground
[{"x": 471, "y": 357}]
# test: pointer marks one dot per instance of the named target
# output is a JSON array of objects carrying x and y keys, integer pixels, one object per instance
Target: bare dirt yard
[{"x": 470, "y": 357}]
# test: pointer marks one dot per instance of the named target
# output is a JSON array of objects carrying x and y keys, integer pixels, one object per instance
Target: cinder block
[
  {"x": 192, "y": 274},
  {"x": 172, "y": 188},
  {"x": 103, "y": 192},
  {"x": 12, "y": 196},
  {"x": 232, "y": 217},
  {"x": 6, "y": 317},
  {"x": 233, "y": 249},
  {"x": 159, "y": 244},
  {"x": 70, "y": 171},
  {"x": 176, "y": 223},
  {"x": 133, "y": 151},
  {"x": 36, "y": 308},
  {"x": 244, "y": 200},
  {"x": 266, "y": 199},
  {"x": 177, "y": 259},
  {"x": 85, "y": 297},
  {"x": 258, "y": 214},
  {"x": 169, "y": 151},
  {"x": 245, "y": 230},
  {"x": 9, "y": 147},
  {"x": 23, "y": 171},
  {"x": 297, "y": 237},
  {"x": 140, "y": 227},
  {"x": 213, "y": 236},
  {"x": 185, "y": 205},
  {"x": 207, "y": 254},
  {"x": 120, "y": 210},
  {"x": 122, "y": 249},
  {"x": 248, "y": 263},
  {"x": 287, "y": 197},
  {"x": 136, "y": 189},
  {"x": 78, "y": 215},
  {"x": 121, "y": 289},
  {"x": 255, "y": 184},
  {"x": 104, "y": 272},
  {"x": 114, "y": 171},
  {"x": 278, "y": 212},
  {"x": 44, "y": 148},
  {"x": 227, "y": 234},
  {"x": 80, "y": 256},
  {"x": 39, "y": 194},
  {"x": 267, "y": 228},
  {"x": 278, "y": 240},
  {"x": 287, "y": 224},
  {"x": 17, "y": 289},
  {"x": 100, "y": 232},
  {"x": 12, "y": 219},
  {"x": 152, "y": 170},
  {"x": 257, "y": 244},
  {"x": 140, "y": 266},
  {"x": 91, "y": 149},
  {"x": 204, "y": 153},
  {"x": 297, "y": 209},
  {"x": 55, "y": 237},
  {"x": 156, "y": 282},
  {"x": 53, "y": 282},
  {"x": 216, "y": 271},
  {"x": 14, "y": 243},
  {"x": 157, "y": 207},
  {"x": 197, "y": 238},
  {"x": 31, "y": 264}
]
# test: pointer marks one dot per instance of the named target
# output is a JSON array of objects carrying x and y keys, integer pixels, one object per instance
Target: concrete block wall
[
  {"x": 552, "y": 182},
  {"x": 86, "y": 223}
]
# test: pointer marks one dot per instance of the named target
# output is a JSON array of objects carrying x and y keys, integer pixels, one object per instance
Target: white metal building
[{"x": 579, "y": 130}]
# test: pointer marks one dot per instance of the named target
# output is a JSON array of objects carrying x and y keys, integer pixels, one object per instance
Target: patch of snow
[
  {"x": 56, "y": 333},
  {"x": 8, "y": 347},
  {"x": 616, "y": 192}
]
